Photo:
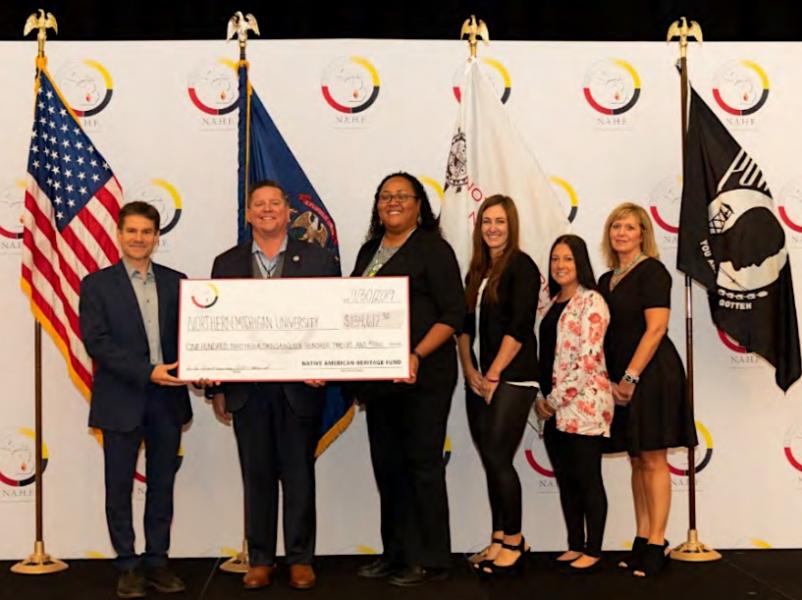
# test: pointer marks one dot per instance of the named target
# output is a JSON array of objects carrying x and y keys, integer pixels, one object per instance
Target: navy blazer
[
  {"x": 301, "y": 259},
  {"x": 114, "y": 335}
]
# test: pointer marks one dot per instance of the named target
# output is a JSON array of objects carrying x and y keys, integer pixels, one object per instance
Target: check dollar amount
[{"x": 294, "y": 329}]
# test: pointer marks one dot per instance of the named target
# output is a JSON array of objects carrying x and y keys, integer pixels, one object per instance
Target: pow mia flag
[{"x": 731, "y": 242}]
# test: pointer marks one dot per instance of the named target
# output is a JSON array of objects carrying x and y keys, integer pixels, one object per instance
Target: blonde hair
[{"x": 648, "y": 243}]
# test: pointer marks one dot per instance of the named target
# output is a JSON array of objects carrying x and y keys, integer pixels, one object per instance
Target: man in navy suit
[
  {"x": 276, "y": 424},
  {"x": 129, "y": 326}
]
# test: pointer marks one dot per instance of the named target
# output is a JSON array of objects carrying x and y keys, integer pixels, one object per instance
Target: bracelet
[
  {"x": 416, "y": 353},
  {"x": 492, "y": 380},
  {"x": 630, "y": 378}
]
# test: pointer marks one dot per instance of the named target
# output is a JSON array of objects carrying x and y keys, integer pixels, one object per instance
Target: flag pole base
[
  {"x": 694, "y": 551},
  {"x": 39, "y": 563},
  {"x": 238, "y": 563}
]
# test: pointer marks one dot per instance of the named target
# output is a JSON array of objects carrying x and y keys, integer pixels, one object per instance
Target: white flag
[{"x": 487, "y": 157}]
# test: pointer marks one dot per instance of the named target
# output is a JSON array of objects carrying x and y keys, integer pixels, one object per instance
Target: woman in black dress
[
  {"x": 407, "y": 419},
  {"x": 498, "y": 351},
  {"x": 652, "y": 411}
]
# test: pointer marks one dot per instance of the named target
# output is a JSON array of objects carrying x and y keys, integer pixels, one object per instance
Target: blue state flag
[{"x": 263, "y": 154}]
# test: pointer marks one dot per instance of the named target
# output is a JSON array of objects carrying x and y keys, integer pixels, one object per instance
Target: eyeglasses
[{"x": 403, "y": 197}]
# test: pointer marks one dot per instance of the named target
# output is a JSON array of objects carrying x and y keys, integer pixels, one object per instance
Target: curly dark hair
[{"x": 428, "y": 221}]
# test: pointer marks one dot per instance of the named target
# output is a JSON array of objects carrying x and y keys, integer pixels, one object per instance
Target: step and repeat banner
[{"x": 602, "y": 118}]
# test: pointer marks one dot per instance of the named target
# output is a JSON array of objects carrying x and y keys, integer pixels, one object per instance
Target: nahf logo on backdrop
[
  {"x": 665, "y": 200},
  {"x": 434, "y": 191},
  {"x": 567, "y": 196},
  {"x": 350, "y": 86},
  {"x": 164, "y": 196},
  {"x": 213, "y": 90},
  {"x": 447, "y": 450},
  {"x": 612, "y": 88},
  {"x": 538, "y": 461},
  {"x": 87, "y": 87},
  {"x": 737, "y": 355},
  {"x": 741, "y": 89},
  {"x": 678, "y": 458},
  {"x": 792, "y": 448},
  {"x": 496, "y": 72},
  {"x": 12, "y": 202},
  {"x": 18, "y": 464},
  {"x": 789, "y": 207}
]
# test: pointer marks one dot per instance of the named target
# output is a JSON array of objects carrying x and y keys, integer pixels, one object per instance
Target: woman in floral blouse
[{"x": 576, "y": 392}]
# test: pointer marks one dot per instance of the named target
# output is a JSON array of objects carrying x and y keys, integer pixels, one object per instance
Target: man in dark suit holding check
[
  {"x": 129, "y": 326},
  {"x": 277, "y": 424}
]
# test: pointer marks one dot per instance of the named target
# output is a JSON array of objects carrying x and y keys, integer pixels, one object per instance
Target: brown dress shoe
[
  {"x": 258, "y": 577},
  {"x": 302, "y": 577}
]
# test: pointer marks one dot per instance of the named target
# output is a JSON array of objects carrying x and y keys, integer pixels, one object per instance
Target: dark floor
[{"x": 748, "y": 574}]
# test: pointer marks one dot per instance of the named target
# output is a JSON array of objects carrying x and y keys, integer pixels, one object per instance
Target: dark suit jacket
[
  {"x": 301, "y": 259},
  {"x": 514, "y": 315},
  {"x": 435, "y": 296},
  {"x": 114, "y": 336}
]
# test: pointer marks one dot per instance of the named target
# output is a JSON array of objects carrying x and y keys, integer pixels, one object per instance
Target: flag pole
[
  {"x": 692, "y": 550},
  {"x": 39, "y": 563},
  {"x": 239, "y": 25}
]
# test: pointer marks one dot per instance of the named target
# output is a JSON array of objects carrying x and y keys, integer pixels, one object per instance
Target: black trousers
[
  {"x": 162, "y": 438},
  {"x": 407, "y": 431},
  {"x": 576, "y": 460},
  {"x": 497, "y": 429},
  {"x": 276, "y": 445}
]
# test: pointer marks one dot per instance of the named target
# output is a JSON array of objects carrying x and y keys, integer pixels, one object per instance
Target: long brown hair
[{"x": 481, "y": 264}]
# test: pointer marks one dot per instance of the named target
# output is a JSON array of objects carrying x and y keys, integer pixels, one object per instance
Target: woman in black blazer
[
  {"x": 499, "y": 360},
  {"x": 407, "y": 418}
]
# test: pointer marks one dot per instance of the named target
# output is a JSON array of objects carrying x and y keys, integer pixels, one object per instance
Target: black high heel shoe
[
  {"x": 476, "y": 562},
  {"x": 655, "y": 559},
  {"x": 514, "y": 569},
  {"x": 635, "y": 557}
]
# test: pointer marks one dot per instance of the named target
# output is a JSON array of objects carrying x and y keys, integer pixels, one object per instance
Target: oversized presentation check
[{"x": 294, "y": 329}]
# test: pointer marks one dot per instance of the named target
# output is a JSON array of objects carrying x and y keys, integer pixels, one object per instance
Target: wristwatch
[{"x": 630, "y": 378}]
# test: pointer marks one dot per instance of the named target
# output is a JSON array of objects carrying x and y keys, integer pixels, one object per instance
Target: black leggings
[
  {"x": 576, "y": 460},
  {"x": 497, "y": 430}
]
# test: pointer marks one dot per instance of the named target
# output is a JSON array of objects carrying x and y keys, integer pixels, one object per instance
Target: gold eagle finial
[
  {"x": 474, "y": 30},
  {"x": 239, "y": 25},
  {"x": 42, "y": 22},
  {"x": 680, "y": 29}
]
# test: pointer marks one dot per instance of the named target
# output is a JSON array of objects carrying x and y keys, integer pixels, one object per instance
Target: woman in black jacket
[
  {"x": 407, "y": 419},
  {"x": 498, "y": 351}
]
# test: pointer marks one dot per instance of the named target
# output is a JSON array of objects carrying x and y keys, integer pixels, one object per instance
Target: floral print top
[{"x": 581, "y": 394}]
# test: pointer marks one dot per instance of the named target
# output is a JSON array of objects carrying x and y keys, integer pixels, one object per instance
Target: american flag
[{"x": 69, "y": 223}]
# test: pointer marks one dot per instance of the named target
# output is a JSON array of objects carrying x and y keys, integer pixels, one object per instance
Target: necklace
[
  {"x": 382, "y": 255},
  {"x": 619, "y": 272},
  {"x": 267, "y": 271}
]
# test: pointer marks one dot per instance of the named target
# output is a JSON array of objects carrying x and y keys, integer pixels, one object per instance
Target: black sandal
[
  {"x": 655, "y": 559},
  {"x": 516, "y": 568},
  {"x": 477, "y": 563},
  {"x": 633, "y": 560}
]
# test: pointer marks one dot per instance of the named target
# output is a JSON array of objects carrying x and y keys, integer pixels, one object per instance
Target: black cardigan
[
  {"x": 514, "y": 315},
  {"x": 435, "y": 289}
]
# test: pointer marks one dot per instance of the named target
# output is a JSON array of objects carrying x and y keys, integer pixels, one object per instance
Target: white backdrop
[{"x": 602, "y": 118}]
